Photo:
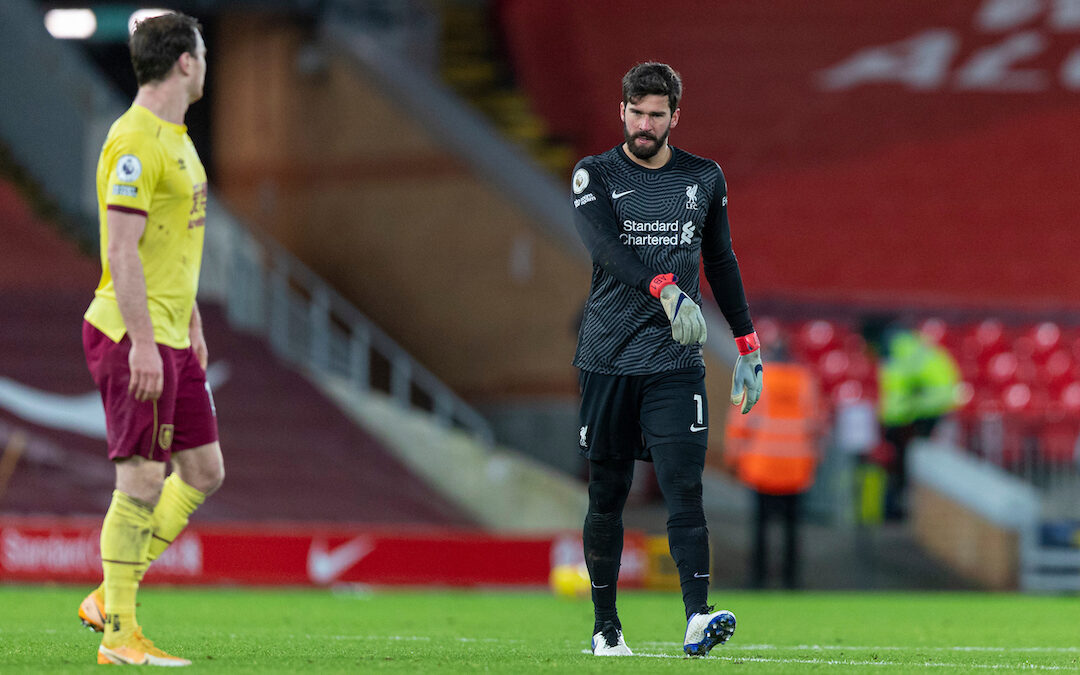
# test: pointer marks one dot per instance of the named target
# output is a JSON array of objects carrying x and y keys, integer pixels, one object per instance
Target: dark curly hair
[
  {"x": 652, "y": 78},
  {"x": 157, "y": 42}
]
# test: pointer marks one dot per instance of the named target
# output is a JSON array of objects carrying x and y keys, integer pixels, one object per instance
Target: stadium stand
[
  {"x": 919, "y": 153},
  {"x": 284, "y": 441},
  {"x": 1021, "y": 375}
]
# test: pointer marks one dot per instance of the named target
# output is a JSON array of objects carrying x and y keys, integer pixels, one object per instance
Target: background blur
[{"x": 392, "y": 282}]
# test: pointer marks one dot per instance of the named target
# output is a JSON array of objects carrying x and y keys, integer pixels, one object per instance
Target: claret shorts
[{"x": 182, "y": 418}]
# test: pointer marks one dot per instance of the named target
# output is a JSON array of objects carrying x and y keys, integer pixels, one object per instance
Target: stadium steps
[
  {"x": 499, "y": 488},
  {"x": 474, "y": 66}
]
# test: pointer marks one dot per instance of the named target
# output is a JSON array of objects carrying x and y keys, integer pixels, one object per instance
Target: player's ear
[
  {"x": 622, "y": 111},
  {"x": 675, "y": 117}
]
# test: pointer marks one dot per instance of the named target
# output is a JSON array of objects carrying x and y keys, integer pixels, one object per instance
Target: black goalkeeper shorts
[{"x": 625, "y": 416}]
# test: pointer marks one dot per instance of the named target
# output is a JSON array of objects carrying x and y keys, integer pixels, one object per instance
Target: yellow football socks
[
  {"x": 178, "y": 501},
  {"x": 125, "y": 536}
]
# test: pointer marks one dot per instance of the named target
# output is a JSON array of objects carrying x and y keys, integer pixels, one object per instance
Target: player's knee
[
  {"x": 146, "y": 493},
  {"x": 212, "y": 481},
  {"x": 683, "y": 484},
  {"x": 607, "y": 498},
  {"x": 208, "y": 479},
  {"x": 687, "y": 492},
  {"x": 140, "y": 479},
  {"x": 202, "y": 468},
  {"x": 603, "y": 518},
  {"x": 682, "y": 492}
]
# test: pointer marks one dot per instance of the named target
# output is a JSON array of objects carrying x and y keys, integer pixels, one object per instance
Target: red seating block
[{"x": 816, "y": 337}]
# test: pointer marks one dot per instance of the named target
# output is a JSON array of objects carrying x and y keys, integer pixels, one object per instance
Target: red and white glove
[
  {"x": 746, "y": 377},
  {"x": 687, "y": 323}
]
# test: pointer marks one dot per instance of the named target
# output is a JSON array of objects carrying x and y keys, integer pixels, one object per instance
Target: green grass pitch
[{"x": 419, "y": 631}]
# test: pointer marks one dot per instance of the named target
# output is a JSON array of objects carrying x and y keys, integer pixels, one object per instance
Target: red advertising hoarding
[{"x": 67, "y": 550}]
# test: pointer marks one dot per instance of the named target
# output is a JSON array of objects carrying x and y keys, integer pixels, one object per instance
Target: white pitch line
[
  {"x": 925, "y": 664},
  {"x": 835, "y": 662},
  {"x": 883, "y": 648},
  {"x": 726, "y": 649}
]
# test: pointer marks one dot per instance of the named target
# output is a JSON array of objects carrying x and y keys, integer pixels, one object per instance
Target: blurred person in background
[
  {"x": 649, "y": 214},
  {"x": 917, "y": 383},
  {"x": 775, "y": 451},
  {"x": 143, "y": 335}
]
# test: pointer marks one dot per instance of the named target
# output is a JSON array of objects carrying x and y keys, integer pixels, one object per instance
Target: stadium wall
[
  {"x": 971, "y": 516},
  {"x": 362, "y": 194}
]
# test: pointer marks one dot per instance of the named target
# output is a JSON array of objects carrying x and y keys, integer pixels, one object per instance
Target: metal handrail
[{"x": 268, "y": 291}]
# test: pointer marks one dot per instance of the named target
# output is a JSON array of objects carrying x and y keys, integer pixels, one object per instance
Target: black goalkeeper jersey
[{"x": 638, "y": 223}]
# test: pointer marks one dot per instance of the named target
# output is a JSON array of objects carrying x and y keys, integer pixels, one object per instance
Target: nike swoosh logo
[
  {"x": 325, "y": 566},
  {"x": 616, "y": 195},
  {"x": 700, "y": 576},
  {"x": 604, "y": 586},
  {"x": 695, "y": 428}
]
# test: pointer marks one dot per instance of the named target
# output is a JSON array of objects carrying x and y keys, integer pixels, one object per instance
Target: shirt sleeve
[
  {"x": 598, "y": 227},
  {"x": 721, "y": 267},
  {"x": 135, "y": 167}
]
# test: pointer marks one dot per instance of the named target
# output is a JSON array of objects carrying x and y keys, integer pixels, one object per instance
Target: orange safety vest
[{"x": 773, "y": 448}]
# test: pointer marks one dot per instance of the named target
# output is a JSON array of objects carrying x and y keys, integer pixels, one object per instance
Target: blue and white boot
[{"x": 706, "y": 630}]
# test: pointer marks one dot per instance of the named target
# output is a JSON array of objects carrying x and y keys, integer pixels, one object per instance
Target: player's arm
[
  {"x": 198, "y": 341},
  {"x": 125, "y": 228},
  {"x": 598, "y": 227},
  {"x": 722, "y": 273}
]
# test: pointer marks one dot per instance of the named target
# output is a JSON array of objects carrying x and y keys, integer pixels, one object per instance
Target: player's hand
[
  {"x": 746, "y": 377},
  {"x": 147, "y": 371},
  {"x": 198, "y": 345},
  {"x": 687, "y": 323}
]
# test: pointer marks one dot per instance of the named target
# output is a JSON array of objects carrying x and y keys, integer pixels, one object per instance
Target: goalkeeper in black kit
[{"x": 649, "y": 213}]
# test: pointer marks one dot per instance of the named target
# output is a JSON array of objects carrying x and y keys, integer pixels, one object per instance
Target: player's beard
[{"x": 647, "y": 151}]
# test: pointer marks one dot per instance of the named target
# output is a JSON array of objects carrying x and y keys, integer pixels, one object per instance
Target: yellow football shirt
[{"x": 150, "y": 167}]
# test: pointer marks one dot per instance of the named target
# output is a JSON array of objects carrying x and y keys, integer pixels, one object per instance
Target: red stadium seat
[
  {"x": 1046, "y": 337},
  {"x": 983, "y": 341},
  {"x": 936, "y": 330},
  {"x": 965, "y": 398},
  {"x": 1017, "y": 398},
  {"x": 1069, "y": 398},
  {"x": 990, "y": 334},
  {"x": 1058, "y": 370},
  {"x": 851, "y": 391},
  {"x": 816, "y": 337},
  {"x": 832, "y": 368},
  {"x": 1001, "y": 370}
]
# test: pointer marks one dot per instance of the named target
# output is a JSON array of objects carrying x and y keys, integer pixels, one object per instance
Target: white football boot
[
  {"x": 706, "y": 630},
  {"x": 609, "y": 642}
]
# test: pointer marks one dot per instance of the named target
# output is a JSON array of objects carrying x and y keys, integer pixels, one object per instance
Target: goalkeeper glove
[
  {"x": 746, "y": 377},
  {"x": 687, "y": 323}
]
